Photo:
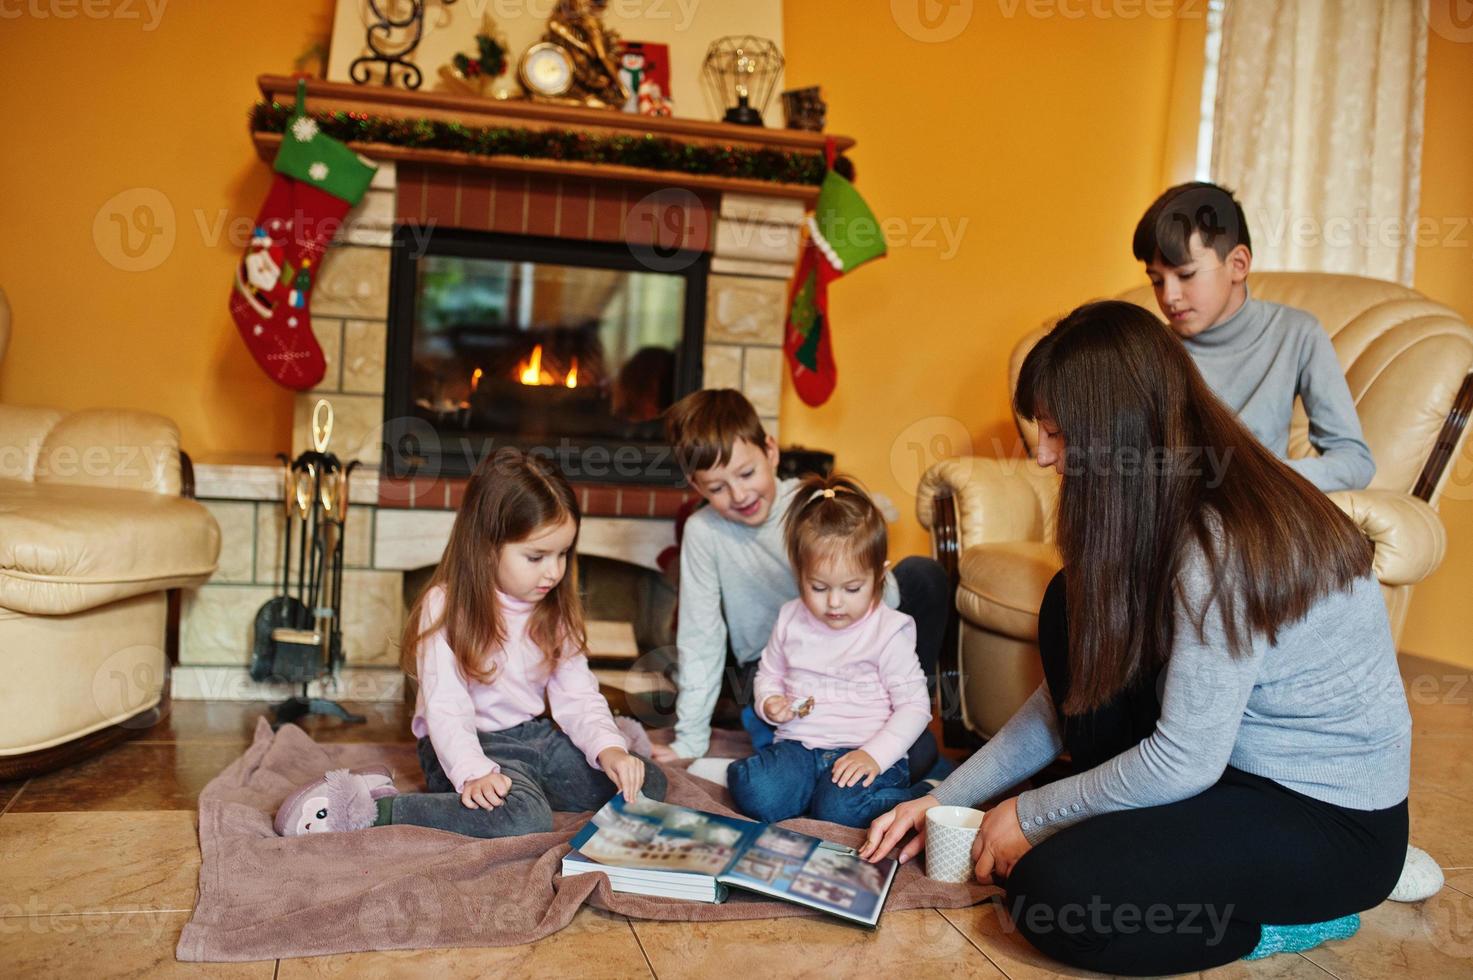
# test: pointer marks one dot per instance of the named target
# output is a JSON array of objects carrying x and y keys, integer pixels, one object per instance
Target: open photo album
[{"x": 660, "y": 849}]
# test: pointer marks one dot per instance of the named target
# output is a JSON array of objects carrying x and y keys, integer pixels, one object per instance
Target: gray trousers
[{"x": 547, "y": 773}]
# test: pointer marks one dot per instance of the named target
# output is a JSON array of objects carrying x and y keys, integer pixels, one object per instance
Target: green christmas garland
[{"x": 648, "y": 152}]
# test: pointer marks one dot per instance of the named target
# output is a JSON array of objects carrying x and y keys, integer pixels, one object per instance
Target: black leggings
[{"x": 1185, "y": 886}]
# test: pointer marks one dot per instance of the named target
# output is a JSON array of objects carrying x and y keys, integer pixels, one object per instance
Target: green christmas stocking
[{"x": 842, "y": 235}]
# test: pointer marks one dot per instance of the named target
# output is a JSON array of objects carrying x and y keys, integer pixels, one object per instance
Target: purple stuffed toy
[{"x": 343, "y": 799}]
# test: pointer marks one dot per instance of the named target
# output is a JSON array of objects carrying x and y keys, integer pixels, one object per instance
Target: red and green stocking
[
  {"x": 842, "y": 235},
  {"x": 317, "y": 180}
]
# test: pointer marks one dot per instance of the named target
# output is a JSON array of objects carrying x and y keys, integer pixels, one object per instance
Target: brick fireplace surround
[{"x": 752, "y": 232}]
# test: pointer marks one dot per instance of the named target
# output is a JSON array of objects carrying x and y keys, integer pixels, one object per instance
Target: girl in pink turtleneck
[
  {"x": 839, "y": 678},
  {"x": 498, "y": 628}
]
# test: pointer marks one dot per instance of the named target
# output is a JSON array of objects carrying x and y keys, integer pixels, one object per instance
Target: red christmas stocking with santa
[
  {"x": 842, "y": 235},
  {"x": 317, "y": 180}
]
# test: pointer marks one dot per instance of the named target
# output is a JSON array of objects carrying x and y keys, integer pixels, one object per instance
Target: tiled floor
[{"x": 98, "y": 866}]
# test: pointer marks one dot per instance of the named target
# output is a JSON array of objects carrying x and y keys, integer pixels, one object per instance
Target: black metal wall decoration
[{"x": 389, "y": 45}]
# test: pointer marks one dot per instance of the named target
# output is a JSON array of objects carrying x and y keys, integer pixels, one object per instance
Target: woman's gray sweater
[{"x": 1322, "y": 711}]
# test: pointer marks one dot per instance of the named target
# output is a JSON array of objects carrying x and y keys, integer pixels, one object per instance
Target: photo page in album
[{"x": 655, "y": 848}]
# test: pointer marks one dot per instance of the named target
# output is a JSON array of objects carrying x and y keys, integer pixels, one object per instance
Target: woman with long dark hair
[{"x": 1219, "y": 666}]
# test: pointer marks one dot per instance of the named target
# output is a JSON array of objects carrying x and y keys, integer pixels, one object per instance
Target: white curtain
[{"x": 1318, "y": 128}]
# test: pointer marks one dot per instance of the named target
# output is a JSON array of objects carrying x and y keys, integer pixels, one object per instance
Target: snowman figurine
[{"x": 631, "y": 71}]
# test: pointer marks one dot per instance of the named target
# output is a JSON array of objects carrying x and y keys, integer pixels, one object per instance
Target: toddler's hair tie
[{"x": 827, "y": 493}]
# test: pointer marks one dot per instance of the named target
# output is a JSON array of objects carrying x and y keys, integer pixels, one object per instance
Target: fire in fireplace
[{"x": 570, "y": 347}]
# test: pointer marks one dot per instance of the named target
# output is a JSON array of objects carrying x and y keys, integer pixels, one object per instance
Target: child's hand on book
[
  {"x": 488, "y": 792},
  {"x": 852, "y": 767},
  {"x": 667, "y": 755},
  {"x": 627, "y": 771}
]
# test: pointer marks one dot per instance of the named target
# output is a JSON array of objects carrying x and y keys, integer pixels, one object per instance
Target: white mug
[{"x": 950, "y": 831}]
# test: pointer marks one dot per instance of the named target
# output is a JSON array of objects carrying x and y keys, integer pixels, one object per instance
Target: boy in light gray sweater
[
  {"x": 735, "y": 576},
  {"x": 1256, "y": 356}
]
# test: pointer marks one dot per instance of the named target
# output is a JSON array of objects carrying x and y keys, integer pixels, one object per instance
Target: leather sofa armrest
[
  {"x": 119, "y": 449},
  {"x": 1408, "y": 535},
  {"x": 993, "y": 499}
]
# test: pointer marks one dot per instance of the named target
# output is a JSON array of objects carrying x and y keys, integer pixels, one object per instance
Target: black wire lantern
[{"x": 740, "y": 74}]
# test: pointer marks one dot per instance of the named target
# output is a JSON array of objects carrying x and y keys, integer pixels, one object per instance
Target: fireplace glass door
[{"x": 573, "y": 347}]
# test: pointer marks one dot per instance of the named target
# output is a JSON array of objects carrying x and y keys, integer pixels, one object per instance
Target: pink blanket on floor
[{"x": 266, "y": 897}]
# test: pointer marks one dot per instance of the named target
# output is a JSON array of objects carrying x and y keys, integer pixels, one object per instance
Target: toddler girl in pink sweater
[
  {"x": 498, "y": 628},
  {"x": 839, "y": 678}
]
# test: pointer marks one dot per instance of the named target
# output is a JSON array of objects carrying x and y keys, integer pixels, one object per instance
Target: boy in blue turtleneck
[{"x": 1257, "y": 356}]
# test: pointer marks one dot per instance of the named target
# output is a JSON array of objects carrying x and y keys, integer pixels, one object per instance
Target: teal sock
[
  {"x": 1297, "y": 939},
  {"x": 385, "y": 812}
]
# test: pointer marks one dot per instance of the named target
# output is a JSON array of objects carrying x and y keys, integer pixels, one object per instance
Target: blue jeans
[{"x": 787, "y": 780}]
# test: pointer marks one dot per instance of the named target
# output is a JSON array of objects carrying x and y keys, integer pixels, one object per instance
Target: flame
[
  {"x": 476, "y": 379},
  {"x": 530, "y": 372}
]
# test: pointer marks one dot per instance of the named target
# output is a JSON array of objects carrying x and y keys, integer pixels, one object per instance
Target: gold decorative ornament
[
  {"x": 321, "y": 425},
  {"x": 577, "y": 60}
]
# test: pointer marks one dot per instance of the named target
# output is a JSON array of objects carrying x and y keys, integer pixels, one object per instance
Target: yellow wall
[
  {"x": 98, "y": 106},
  {"x": 1041, "y": 139},
  {"x": 1438, "y": 626}
]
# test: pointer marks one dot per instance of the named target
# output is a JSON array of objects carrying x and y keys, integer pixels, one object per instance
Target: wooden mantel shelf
[{"x": 468, "y": 110}]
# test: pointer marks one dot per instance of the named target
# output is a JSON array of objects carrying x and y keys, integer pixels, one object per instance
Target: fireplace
[
  {"x": 564, "y": 346},
  {"x": 743, "y": 234}
]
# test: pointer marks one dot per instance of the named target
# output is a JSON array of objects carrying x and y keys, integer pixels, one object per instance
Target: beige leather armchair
[
  {"x": 94, "y": 532},
  {"x": 1407, "y": 361}
]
